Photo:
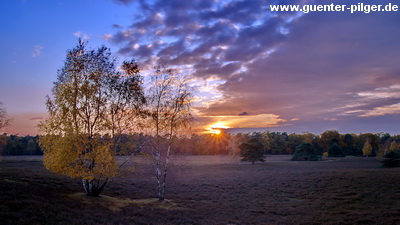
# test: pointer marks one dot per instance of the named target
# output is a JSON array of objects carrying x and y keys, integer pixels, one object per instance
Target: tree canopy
[
  {"x": 88, "y": 100},
  {"x": 306, "y": 152},
  {"x": 252, "y": 150}
]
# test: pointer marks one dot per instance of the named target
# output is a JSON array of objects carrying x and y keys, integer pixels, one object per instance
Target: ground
[{"x": 208, "y": 190}]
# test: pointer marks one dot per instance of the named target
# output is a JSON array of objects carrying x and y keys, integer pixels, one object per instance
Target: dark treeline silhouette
[
  {"x": 330, "y": 143},
  {"x": 17, "y": 145}
]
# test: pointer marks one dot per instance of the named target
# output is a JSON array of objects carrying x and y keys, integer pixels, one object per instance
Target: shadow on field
[{"x": 208, "y": 190}]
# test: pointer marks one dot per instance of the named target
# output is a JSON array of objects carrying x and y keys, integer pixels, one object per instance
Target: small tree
[
  {"x": 306, "y": 152},
  {"x": 233, "y": 144},
  {"x": 4, "y": 119},
  {"x": 83, "y": 108},
  {"x": 252, "y": 151},
  {"x": 367, "y": 148}
]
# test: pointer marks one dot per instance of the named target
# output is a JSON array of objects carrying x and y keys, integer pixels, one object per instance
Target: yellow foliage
[
  {"x": 90, "y": 99},
  {"x": 367, "y": 149},
  {"x": 325, "y": 154},
  {"x": 394, "y": 146},
  {"x": 78, "y": 156}
]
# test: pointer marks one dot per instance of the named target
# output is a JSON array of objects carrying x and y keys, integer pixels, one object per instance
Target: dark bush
[
  {"x": 392, "y": 159},
  {"x": 306, "y": 152},
  {"x": 335, "y": 151}
]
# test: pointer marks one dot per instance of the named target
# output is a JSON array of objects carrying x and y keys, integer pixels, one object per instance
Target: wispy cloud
[
  {"x": 37, "y": 50},
  {"x": 36, "y": 118},
  {"x": 81, "y": 35},
  {"x": 383, "y": 110},
  {"x": 125, "y": 2},
  {"x": 381, "y": 93},
  {"x": 107, "y": 37}
]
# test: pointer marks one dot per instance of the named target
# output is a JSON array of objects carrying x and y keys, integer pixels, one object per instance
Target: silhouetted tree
[
  {"x": 294, "y": 140},
  {"x": 252, "y": 151},
  {"x": 392, "y": 159},
  {"x": 335, "y": 150},
  {"x": 349, "y": 142}
]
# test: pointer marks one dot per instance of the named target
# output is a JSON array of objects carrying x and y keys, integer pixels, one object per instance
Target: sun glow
[{"x": 217, "y": 127}]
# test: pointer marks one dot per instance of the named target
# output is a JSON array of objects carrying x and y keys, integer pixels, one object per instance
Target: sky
[{"x": 254, "y": 70}]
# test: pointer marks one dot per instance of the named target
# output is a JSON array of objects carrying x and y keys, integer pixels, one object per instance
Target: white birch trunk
[
  {"x": 164, "y": 181},
  {"x": 158, "y": 173}
]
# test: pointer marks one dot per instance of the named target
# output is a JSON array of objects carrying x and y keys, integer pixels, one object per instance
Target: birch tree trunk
[{"x": 170, "y": 103}]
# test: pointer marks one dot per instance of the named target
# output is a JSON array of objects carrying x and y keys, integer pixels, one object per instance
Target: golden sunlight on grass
[{"x": 116, "y": 204}]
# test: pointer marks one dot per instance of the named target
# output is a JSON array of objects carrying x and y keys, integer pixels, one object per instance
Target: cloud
[
  {"x": 124, "y": 2},
  {"x": 81, "y": 35},
  {"x": 107, "y": 37},
  {"x": 382, "y": 93},
  {"x": 36, "y": 118},
  {"x": 312, "y": 67},
  {"x": 37, "y": 51},
  {"x": 253, "y": 121},
  {"x": 383, "y": 110}
]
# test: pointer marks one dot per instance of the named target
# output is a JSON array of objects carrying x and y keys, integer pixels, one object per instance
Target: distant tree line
[
  {"x": 17, "y": 145},
  {"x": 331, "y": 142}
]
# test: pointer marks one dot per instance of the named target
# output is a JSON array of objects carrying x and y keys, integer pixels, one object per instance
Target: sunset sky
[{"x": 252, "y": 68}]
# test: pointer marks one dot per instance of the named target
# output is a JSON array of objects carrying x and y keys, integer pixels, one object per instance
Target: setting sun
[{"x": 216, "y": 127}]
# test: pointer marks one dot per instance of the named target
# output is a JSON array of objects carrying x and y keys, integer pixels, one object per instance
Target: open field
[{"x": 208, "y": 190}]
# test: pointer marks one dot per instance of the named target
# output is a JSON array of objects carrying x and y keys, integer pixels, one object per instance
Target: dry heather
[{"x": 208, "y": 190}]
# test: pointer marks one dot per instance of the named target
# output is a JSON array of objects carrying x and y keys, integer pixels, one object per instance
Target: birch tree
[
  {"x": 88, "y": 101},
  {"x": 233, "y": 144},
  {"x": 126, "y": 101},
  {"x": 169, "y": 110},
  {"x": 4, "y": 119},
  {"x": 4, "y": 122}
]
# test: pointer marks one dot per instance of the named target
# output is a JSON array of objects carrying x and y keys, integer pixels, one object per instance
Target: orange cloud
[
  {"x": 245, "y": 121},
  {"x": 383, "y": 110}
]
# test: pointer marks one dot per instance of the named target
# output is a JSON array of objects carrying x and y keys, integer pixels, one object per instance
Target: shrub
[
  {"x": 392, "y": 159},
  {"x": 335, "y": 151},
  {"x": 325, "y": 154},
  {"x": 306, "y": 152}
]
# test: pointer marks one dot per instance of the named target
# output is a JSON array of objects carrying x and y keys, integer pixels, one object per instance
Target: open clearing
[{"x": 208, "y": 190}]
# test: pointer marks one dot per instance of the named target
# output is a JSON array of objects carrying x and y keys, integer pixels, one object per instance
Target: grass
[
  {"x": 209, "y": 190},
  {"x": 116, "y": 204}
]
